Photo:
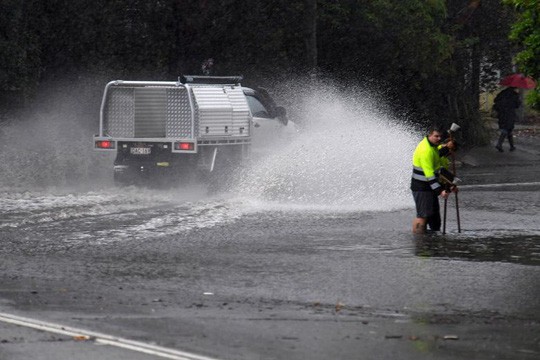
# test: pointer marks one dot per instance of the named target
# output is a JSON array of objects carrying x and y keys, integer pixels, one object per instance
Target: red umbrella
[{"x": 518, "y": 81}]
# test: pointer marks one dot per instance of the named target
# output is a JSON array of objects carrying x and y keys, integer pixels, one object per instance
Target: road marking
[
  {"x": 102, "y": 338},
  {"x": 498, "y": 185}
]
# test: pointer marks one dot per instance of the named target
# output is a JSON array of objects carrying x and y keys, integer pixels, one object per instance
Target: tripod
[{"x": 449, "y": 184}]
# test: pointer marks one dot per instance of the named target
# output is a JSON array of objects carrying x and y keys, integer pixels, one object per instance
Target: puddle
[{"x": 521, "y": 249}]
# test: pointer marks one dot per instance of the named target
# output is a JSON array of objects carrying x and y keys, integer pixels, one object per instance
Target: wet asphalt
[{"x": 295, "y": 285}]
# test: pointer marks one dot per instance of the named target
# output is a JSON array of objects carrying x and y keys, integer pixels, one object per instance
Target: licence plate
[{"x": 140, "y": 150}]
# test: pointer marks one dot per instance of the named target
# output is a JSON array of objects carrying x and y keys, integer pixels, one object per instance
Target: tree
[
  {"x": 425, "y": 57},
  {"x": 526, "y": 33},
  {"x": 20, "y": 60},
  {"x": 481, "y": 50},
  {"x": 398, "y": 46}
]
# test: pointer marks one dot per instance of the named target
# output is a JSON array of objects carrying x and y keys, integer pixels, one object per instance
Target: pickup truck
[{"x": 196, "y": 125}]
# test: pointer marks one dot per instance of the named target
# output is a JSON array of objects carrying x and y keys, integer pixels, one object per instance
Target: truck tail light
[
  {"x": 184, "y": 146},
  {"x": 105, "y": 144}
]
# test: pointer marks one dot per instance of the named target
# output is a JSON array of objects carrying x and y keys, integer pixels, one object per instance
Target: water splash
[
  {"x": 348, "y": 156},
  {"x": 51, "y": 145}
]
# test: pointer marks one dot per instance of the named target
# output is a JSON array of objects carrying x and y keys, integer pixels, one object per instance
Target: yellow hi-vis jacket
[{"x": 426, "y": 165}]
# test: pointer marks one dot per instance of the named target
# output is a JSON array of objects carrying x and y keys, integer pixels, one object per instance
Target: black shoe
[
  {"x": 499, "y": 148},
  {"x": 512, "y": 148}
]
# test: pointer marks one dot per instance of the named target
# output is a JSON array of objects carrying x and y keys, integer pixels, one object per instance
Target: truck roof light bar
[{"x": 201, "y": 79}]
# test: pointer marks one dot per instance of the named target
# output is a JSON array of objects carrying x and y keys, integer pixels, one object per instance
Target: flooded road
[{"x": 225, "y": 277}]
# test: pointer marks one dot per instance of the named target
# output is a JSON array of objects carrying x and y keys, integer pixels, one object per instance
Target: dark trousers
[
  {"x": 506, "y": 133},
  {"x": 434, "y": 221},
  {"x": 427, "y": 207}
]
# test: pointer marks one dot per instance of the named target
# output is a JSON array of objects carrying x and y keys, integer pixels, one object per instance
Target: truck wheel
[
  {"x": 225, "y": 169},
  {"x": 119, "y": 180},
  {"x": 122, "y": 175}
]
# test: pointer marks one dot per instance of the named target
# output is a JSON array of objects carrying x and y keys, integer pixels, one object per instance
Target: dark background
[{"x": 428, "y": 60}]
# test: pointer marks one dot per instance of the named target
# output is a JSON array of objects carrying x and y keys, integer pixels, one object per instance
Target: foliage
[
  {"x": 400, "y": 45},
  {"x": 526, "y": 33},
  {"x": 20, "y": 60},
  {"x": 424, "y": 56}
]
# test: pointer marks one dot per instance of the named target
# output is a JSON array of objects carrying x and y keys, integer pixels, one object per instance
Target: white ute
[{"x": 195, "y": 125}]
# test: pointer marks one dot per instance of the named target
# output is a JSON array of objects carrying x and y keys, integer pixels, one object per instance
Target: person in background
[
  {"x": 428, "y": 158},
  {"x": 207, "y": 67},
  {"x": 505, "y": 104}
]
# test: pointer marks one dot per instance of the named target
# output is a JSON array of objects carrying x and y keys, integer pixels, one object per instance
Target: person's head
[{"x": 435, "y": 135}]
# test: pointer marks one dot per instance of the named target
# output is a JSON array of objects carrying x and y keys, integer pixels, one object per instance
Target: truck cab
[{"x": 270, "y": 122}]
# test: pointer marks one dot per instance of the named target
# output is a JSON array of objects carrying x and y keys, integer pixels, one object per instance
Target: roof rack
[{"x": 201, "y": 79}]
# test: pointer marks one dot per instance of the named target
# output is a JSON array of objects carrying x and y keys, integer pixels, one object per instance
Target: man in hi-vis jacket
[{"x": 428, "y": 159}]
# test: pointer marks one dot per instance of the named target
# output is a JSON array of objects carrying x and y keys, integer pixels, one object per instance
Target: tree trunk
[
  {"x": 310, "y": 26},
  {"x": 475, "y": 77}
]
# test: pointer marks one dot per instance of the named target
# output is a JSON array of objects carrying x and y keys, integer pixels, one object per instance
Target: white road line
[{"x": 102, "y": 338}]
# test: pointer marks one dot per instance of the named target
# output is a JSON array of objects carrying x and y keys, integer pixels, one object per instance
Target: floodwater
[{"x": 324, "y": 219}]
